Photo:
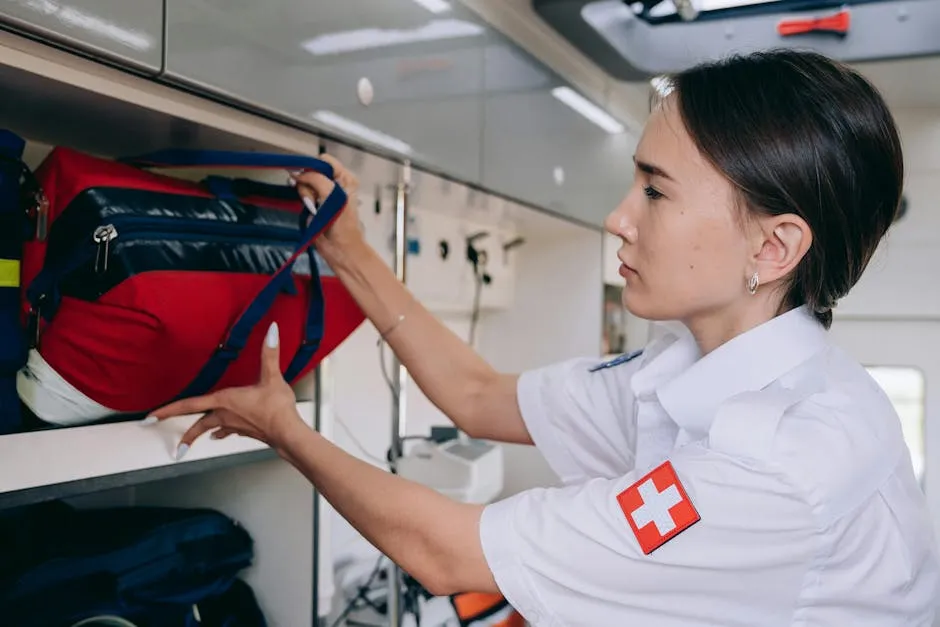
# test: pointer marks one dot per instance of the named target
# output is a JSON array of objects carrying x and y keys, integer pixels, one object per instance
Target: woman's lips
[{"x": 626, "y": 271}]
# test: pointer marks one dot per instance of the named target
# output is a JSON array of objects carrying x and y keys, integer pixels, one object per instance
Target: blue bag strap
[
  {"x": 313, "y": 329},
  {"x": 233, "y": 159},
  {"x": 237, "y": 338},
  {"x": 233, "y": 189}
]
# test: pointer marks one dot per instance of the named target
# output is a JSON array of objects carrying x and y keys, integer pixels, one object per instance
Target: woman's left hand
[{"x": 266, "y": 411}]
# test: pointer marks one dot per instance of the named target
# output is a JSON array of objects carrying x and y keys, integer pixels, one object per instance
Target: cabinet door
[
  {"x": 129, "y": 32},
  {"x": 304, "y": 60},
  {"x": 540, "y": 150}
]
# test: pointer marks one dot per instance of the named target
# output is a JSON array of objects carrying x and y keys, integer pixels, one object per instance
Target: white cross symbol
[{"x": 656, "y": 506}]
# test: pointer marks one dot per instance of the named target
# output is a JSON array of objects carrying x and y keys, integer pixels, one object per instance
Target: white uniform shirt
[{"x": 780, "y": 482}]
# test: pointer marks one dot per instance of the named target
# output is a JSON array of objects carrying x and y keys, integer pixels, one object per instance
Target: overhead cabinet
[
  {"x": 423, "y": 80},
  {"x": 390, "y": 75},
  {"x": 125, "y": 32}
]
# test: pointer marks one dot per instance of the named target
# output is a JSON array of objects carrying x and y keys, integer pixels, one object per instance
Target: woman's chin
[{"x": 642, "y": 307}]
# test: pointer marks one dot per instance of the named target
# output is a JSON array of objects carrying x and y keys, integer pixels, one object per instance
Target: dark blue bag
[
  {"x": 13, "y": 226},
  {"x": 153, "y": 566}
]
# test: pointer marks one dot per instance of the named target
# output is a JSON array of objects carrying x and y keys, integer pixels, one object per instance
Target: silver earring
[{"x": 752, "y": 284}]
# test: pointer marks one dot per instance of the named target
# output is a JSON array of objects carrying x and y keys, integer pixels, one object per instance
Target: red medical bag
[{"x": 140, "y": 288}]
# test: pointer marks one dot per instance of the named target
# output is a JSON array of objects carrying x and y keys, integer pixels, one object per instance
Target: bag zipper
[{"x": 129, "y": 228}]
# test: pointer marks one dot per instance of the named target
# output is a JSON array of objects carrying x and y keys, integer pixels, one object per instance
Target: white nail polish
[
  {"x": 291, "y": 180},
  {"x": 181, "y": 451},
  {"x": 272, "y": 337},
  {"x": 149, "y": 420},
  {"x": 310, "y": 205}
]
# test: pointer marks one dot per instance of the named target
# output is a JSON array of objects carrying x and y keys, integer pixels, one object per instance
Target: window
[{"x": 906, "y": 389}]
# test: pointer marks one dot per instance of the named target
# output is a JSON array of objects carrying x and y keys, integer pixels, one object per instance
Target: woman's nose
[{"x": 618, "y": 223}]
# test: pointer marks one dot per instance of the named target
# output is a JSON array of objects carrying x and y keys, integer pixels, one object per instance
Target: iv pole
[{"x": 400, "y": 375}]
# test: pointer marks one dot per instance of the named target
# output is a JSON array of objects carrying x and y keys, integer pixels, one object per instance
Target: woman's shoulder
[{"x": 842, "y": 441}]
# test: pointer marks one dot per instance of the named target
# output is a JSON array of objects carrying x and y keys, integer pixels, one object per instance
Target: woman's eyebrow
[{"x": 652, "y": 170}]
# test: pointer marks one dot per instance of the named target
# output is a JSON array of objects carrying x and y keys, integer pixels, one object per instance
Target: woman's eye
[{"x": 651, "y": 192}]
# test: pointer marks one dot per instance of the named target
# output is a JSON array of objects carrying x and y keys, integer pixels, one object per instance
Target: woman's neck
[{"x": 713, "y": 329}]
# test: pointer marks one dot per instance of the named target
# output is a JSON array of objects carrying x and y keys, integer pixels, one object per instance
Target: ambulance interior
[{"x": 491, "y": 138}]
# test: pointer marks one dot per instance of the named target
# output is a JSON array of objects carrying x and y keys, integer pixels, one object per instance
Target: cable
[
  {"x": 361, "y": 594},
  {"x": 362, "y": 449},
  {"x": 385, "y": 375},
  {"x": 475, "y": 312}
]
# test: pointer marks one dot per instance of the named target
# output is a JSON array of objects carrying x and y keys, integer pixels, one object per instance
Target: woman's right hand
[{"x": 344, "y": 231}]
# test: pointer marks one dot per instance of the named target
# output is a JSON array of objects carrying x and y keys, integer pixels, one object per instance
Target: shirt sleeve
[
  {"x": 570, "y": 555},
  {"x": 581, "y": 421}
]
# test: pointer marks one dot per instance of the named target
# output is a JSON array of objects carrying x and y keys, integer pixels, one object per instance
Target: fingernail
[
  {"x": 310, "y": 205},
  {"x": 291, "y": 180},
  {"x": 149, "y": 420},
  {"x": 272, "y": 337},
  {"x": 181, "y": 450}
]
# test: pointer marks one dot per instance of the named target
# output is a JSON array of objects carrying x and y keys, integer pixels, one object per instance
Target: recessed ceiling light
[
  {"x": 367, "y": 38},
  {"x": 588, "y": 109},
  {"x": 362, "y": 132},
  {"x": 434, "y": 6}
]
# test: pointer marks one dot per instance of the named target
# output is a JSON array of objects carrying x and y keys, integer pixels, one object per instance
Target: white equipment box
[{"x": 470, "y": 471}]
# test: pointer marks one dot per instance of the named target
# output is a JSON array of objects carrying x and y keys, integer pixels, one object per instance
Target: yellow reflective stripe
[{"x": 9, "y": 273}]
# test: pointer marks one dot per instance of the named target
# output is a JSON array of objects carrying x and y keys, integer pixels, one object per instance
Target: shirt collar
[{"x": 691, "y": 388}]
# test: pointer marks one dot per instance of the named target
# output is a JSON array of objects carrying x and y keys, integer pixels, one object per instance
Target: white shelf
[{"x": 38, "y": 465}]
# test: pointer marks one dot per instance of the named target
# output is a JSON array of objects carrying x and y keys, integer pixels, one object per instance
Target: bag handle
[{"x": 231, "y": 346}]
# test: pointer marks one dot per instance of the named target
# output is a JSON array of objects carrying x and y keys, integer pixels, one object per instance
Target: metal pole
[{"x": 400, "y": 375}]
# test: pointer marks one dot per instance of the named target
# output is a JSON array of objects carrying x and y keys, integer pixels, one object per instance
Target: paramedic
[{"x": 742, "y": 470}]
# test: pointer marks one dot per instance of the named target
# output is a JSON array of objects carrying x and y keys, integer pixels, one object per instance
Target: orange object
[
  {"x": 479, "y": 609},
  {"x": 837, "y": 24}
]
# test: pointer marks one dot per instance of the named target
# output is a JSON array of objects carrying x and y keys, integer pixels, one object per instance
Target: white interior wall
[
  {"x": 901, "y": 281},
  {"x": 557, "y": 316}
]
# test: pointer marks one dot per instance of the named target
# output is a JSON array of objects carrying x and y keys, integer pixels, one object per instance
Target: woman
[{"x": 741, "y": 470}]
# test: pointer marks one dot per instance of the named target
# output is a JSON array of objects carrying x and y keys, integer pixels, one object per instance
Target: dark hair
[{"x": 799, "y": 133}]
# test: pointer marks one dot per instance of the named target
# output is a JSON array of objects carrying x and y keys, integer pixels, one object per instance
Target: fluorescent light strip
[
  {"x": 78, "y": 19},
  {"x": 588, "y": 109},
  {"x": 668, "y": 8},
  {"x": 434, "y": 6},
  {"x": 366, "y": 38},
  {"x": 362, "y": 132}
]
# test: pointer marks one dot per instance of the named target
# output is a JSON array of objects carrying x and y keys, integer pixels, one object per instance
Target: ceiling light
[
  {"x": 434, "y": 6},
  {"x": 588, "y": 109},
  {"x": 669, "y": 8},
  {"x": 73, "y": 18},
  {"x": 366, "y": 38},
  {"x": 363, "y": 132}
]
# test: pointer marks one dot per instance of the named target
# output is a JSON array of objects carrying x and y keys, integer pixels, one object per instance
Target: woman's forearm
[
  {"x": 454, "y": 377},
  {"x": 433, "y": 538}
]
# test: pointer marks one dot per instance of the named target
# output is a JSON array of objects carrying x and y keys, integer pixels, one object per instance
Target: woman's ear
[{"x": 784, "y": 241}]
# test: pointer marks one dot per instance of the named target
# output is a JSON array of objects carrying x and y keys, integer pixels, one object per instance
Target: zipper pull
[{"x": 102, "y": 237}]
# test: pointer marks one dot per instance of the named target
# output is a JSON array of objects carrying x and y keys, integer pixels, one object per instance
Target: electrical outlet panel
[{"x": 454, "y": 264}]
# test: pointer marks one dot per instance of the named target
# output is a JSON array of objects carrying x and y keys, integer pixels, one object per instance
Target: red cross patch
[{"x": 657, "y": 508}]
